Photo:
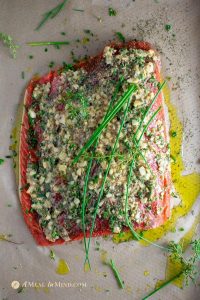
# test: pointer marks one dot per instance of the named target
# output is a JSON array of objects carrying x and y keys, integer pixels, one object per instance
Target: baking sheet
[{"x": 141, "y": 19}]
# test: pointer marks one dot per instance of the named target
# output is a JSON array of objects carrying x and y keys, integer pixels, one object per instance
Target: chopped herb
[
  {"x": 46, "y": 49},
  {"x": 112, "y": 12},
  {"x": 52, "y": 255},
  {"x": 168, "y": 27},
  {"x": 30, "y": 56},
  {"x": 51, "y": 14},
  {"x": 1, "y": 161},
  {"x": 8, "y": 41},
  {"x": 22, "y": 74},
  {"x": 120, "y": 36},
  {"x": 51, "y": 65},
  {"x": 181, "y": 229},
  {"x": 173, "y": 133},
  {"x": 47, "y": 43},
  {"x": 67, "y": 67},
  {"x": 63, "y": 33},
  {"x": 76, "y": 9},
  {"x": 9, "y": 205},
  {"x": 173, "y": 158}
]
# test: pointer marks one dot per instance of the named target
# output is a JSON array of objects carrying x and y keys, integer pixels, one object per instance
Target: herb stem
[
  {"x": 117, "y": 275},
  {"x": 163, "y": 285},
  {"x": 47, "y": 43}
]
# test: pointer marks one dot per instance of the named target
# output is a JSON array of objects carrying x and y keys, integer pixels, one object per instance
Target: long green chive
[
  {"x": 117, "y": 275},
  {"x": 119, "y": 84},
  {"x": 105, "y": 122},
  {"x": 51, "y": 14},
  {"x": 47, "y": 43},
  {"x": 106, "y": 174}
]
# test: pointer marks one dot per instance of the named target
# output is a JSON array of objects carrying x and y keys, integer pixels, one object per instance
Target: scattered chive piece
[
  {"x": 47, "y": 43},
  {"x": 9, "y": 205},
  {"x": 168, "y": 27},
  {"x": 51, "y": 14},
  {"x": 46, "y": 49},
  {"x": 1, "y": 161},
  {"x": 8, "y": 42},
  {"x": 120, "y": 36},
  {"x": 76, "y": 9},
  {"x": 51, "y": 64},
  {"x": 52, "y": 254},
  {"x": 173, "y": 133},
  {"x": 30, "y": 56},
  {"x": 22, "y": 74},
  {"x": 63, "y": 33},
  {"x": 110, "y": 116},
  {"x": 117, "y": 275},
  {"x": 112, "y": 12},
  {"x": 181, "y": 229}
]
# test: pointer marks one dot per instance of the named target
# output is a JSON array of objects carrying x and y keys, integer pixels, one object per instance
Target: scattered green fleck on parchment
[{"x": 8, "y": 42}]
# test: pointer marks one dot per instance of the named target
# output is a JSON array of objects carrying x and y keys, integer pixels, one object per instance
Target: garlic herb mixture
[{"x": 63, "y": 115}]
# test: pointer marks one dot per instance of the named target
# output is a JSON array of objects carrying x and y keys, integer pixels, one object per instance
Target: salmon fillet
[{"x": 158, "y": 210}]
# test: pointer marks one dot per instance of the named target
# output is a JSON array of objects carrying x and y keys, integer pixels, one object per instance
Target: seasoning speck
[{"x": 168, "y": 27}]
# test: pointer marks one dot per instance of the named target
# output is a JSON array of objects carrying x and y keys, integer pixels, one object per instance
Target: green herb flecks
[
  {"x": 168, "y": 27},
  {"x": 52, "y": 254},
  {"x": 51, "y": 14},
  {"x": 44, "y": 43},
  {"x": 2, "y": 161},
  {"x": 105, "y": 122},
  {"x": 190, "y": 269},
  {"x": 120, "y": 36},
  {"x": 112, "y": 12},
  {"x": 8, "y": 42}
]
